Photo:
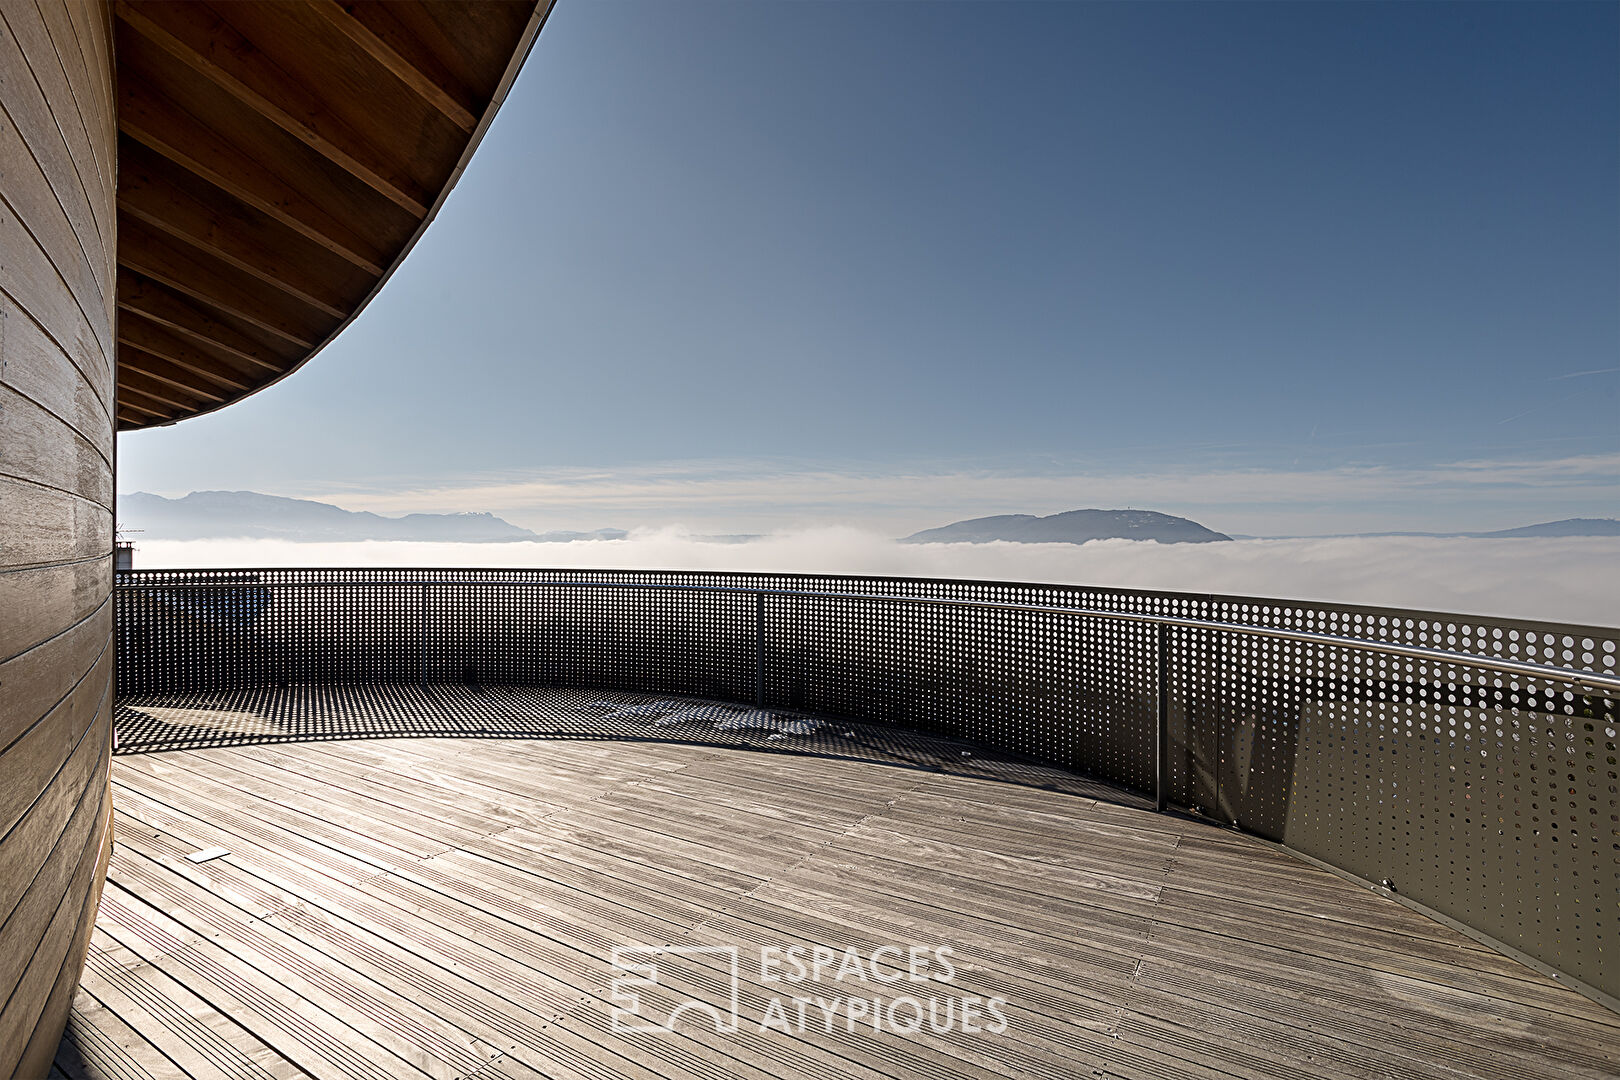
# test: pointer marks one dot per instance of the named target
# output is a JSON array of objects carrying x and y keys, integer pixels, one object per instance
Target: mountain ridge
[
  {"x": 1563, "y": 527},
  {"x": 208, "y": 515},
  {"x": 1071, "y": 527}
]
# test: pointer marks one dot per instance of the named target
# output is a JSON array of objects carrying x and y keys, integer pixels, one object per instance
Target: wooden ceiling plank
[
  {"x": 171, "y": 131},
  {"x": 417, "y": 141},
  {"x": 168, "y": 197},
  {"x": 183, "y": 375},
  {"x": 407, "y": 131},
  {"x": 225, "y": 246},
  {"x": 205, "y": 279},
  {"x": 134, "y": 407},
  {"x": 133, "y": 386},
  {"x": 465, "y": 38},
  {"x": 256, "y": 82},
  {"x": 142, "y": 363},
  {"x": 179, "y": 202},
  {"x": 179, "y": 313},
  {"x": 136, "y": 332},
  {"x": 345, "y": 18},
  {"x": 181, "y": 281}
]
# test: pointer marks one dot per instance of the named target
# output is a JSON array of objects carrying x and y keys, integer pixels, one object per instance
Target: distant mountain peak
[
  {"x": 1071, "y": 527},
  {"x": 1565, "y": 527},
  {"x": 205, "y": 515}
]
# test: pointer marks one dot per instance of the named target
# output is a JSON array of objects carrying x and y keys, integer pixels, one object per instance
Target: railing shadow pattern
[
  {"x": 1486, "y": 797},
  {"x": 315, "y": 712}
]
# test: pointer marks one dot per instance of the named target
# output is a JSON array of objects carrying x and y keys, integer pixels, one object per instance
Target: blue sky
[{"x": 1281, "y": 267}]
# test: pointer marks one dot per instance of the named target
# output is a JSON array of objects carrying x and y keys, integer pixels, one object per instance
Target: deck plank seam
[
  {"x": 118, "y": 1062},
  {"x": 250, "y": 834},
  {"x": 1363, "y": 1027},
  {"x": 205, "y": 1040},
  {"x": 286, "y": 1021},
  {"x": 317, "y": 902},
  {"x": 1140, "y": 1023},
  {"x": 429, "y": 978},
  {"x": 1152, "y": 921},
  {"x": 254, "y": 941},
  {"x": 816, "y": 851},
  {"x": 490, "y": 1067},
  {"x": 405, "y": 792},
  {"x": 1418, "y": 981},
  {"x": 960, "y": 1055},
  {"x": 135, "y": 858}
]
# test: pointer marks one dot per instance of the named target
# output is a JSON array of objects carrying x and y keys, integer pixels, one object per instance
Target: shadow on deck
[{"x": 444, "y": 907}]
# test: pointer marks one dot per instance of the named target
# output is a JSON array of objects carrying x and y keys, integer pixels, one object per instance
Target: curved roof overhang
[{"x": 277, "y": 161}]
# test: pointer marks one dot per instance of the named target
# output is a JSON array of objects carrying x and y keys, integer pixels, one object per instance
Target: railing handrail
[{"x": 1608, "y": 685}]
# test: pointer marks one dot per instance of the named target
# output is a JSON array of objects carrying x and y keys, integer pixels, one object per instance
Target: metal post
[
  {"x": 759, "y": 649},
  {"x": 422, "y": 631},
  {"x": 1161, "y": 747}
]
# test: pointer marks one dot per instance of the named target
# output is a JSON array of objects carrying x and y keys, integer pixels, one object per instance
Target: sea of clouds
[{"x": 1563, "y": 580}]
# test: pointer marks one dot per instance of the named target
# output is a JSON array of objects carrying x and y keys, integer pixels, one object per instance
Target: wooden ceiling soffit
[{"x": 277, "y": 161}]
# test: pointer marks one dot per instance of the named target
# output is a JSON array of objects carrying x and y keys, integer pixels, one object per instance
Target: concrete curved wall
[{"x": 58, "y": 183}]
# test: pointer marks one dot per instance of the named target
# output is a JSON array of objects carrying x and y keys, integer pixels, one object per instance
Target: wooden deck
[{"x": 448, "y": 908}]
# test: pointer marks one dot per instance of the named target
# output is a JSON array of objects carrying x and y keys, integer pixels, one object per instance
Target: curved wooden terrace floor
[{"x": 434, "y": 907}]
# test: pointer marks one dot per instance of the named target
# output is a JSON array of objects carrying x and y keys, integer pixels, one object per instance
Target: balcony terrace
[{"x": 445, "y": 798}]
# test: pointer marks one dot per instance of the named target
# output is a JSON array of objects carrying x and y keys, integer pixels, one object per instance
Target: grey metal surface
[{"x": 1470, "y": 761}]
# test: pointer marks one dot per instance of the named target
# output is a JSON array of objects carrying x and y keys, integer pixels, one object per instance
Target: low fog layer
[{"x": 1565, "y": 580}]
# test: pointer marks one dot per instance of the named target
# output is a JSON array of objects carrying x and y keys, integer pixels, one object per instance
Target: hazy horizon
[
  {"x": 754, "y": 497},
  {"x": 1561, "y": 580}
]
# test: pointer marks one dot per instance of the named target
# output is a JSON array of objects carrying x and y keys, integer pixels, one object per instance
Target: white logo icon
[{"x": 632, "y": 1013}]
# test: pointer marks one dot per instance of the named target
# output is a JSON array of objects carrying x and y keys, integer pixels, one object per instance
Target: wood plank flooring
[{"x": 449, "y": 908}]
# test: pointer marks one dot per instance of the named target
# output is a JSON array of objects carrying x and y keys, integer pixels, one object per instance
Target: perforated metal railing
[{"x": 1467, "y": 763}]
